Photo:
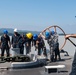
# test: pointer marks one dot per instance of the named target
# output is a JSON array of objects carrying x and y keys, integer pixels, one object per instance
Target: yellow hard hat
[{"x": 29, "y": 35}]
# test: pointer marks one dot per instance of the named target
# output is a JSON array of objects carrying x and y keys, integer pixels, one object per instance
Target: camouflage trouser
[
  {"x": 51, "y": 52},
  {"x": 73, "y": 70},
  {"x": 44, "y": 51}
]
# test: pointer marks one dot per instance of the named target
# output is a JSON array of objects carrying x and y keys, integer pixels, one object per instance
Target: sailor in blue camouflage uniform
[
  {"x": 51, "y": 38},
  {"x": 73, "y": 70},
  {"x": 56, "y": 45}
]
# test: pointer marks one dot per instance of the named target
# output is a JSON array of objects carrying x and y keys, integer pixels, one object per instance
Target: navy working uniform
[
  {"x": 28, "y": 41},
  {"x": 15, "y": 39},
  {"x": 5, "y": 44},
  {"x": 73, "y": 70},
  {"x": 21, "y": 44},
  {"x": 57, "y": 52},
  {"x": 41, "y": 46},
  {"x": 56, "y": 46},
  {"x": 35, "y": 37},
  {"x": 52, "y": 39}
]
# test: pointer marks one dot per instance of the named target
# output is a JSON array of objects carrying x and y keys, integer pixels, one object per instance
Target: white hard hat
[{"x": 15, "y": 30}]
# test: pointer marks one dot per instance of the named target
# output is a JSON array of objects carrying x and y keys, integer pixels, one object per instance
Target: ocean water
[{"x": 69, "y": 47}]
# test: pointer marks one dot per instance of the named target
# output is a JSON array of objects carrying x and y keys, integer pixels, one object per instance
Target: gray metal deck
[{"x": 66, "y": 60}]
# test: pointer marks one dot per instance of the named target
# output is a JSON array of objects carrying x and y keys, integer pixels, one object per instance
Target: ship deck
[{"x": 65, "y": 60}]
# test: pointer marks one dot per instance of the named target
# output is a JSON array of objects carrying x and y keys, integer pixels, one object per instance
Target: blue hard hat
[
  {"x": 52, "y": 32},
  {"x": 35, "y": 36},
  {"x": 5, "y": 31},
  {"x": 47, "y": 34}
]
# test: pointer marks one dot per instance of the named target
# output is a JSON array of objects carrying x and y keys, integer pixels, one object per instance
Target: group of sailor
[{"x": 28, "y": 40}]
